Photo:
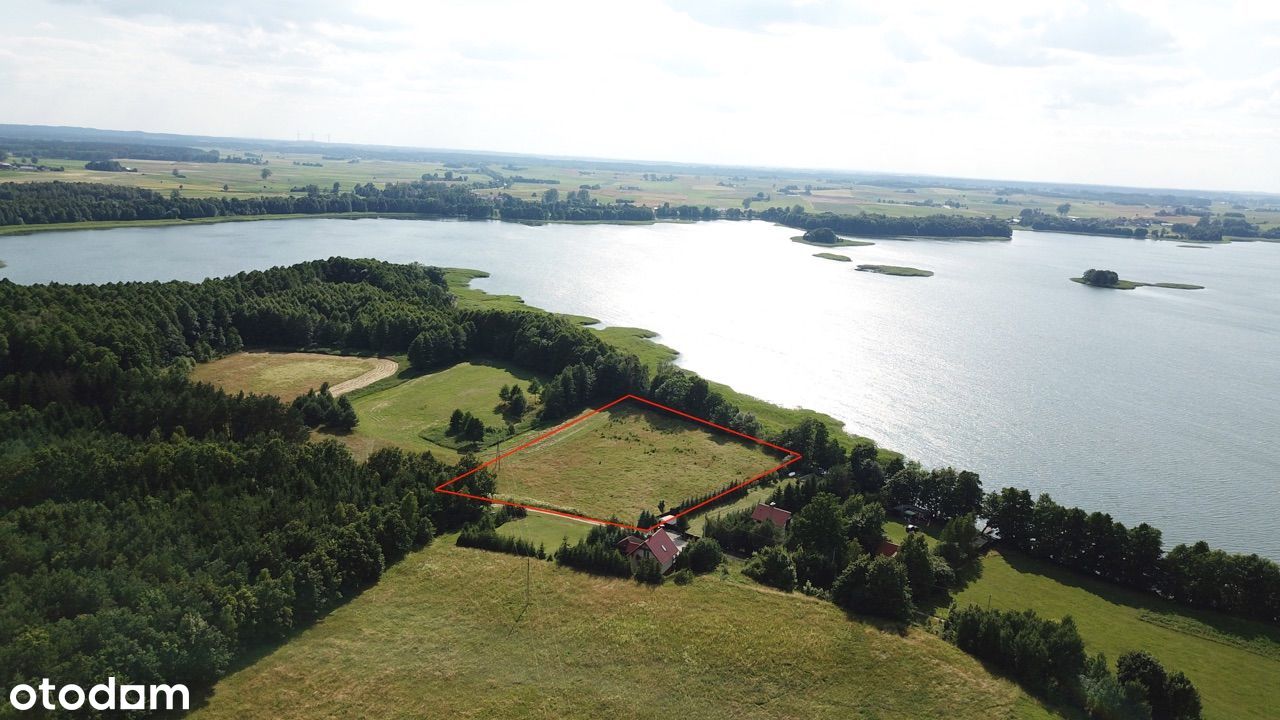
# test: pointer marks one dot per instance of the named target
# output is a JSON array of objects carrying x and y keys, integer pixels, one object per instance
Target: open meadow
[
  {"x": 286, "y": 375},
  {"x": 446, "y": 633},
  {"x": 626, "y": 459},
  {"x": 413, "y": 413}
]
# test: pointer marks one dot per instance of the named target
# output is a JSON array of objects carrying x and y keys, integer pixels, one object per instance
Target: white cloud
[{"x": 1118, "y": 93}]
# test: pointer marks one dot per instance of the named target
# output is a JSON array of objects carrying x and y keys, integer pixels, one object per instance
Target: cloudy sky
[{"x": 1154, "y": 94}]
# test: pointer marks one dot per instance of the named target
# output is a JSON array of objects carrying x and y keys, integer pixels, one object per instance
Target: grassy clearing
[
  {"x": 546, "y": 530},
  {"x": 426, "y": 641},
  {"x": 413, "y": 412},
  {"x": 1234, "y": 663},
  {"x": 286, "y": 375},
  {"x": 1133, "y": 284},
  {"x": 833, "y": 256},
  {"x": 627, "y": 459},
  {"x": 896, "y": 270}
]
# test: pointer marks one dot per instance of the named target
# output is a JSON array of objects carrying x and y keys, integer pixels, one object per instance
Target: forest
[
  {"x": 156, "y": 529},
  {"x": 59, "y": 202},
  {"x": 877, "y": 225},
  {"x": 96, "y": 150}
]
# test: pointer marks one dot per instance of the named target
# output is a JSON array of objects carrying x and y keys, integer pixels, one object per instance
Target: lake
[{"x": 1155, "y": 405}]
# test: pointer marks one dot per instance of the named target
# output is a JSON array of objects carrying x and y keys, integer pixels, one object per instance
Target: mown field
[
  {"x": 286, "y": 375},
  {"x": 627, "y": 459},
  {"x": 546, "y": 530},
  {"x": 446, "y": 633},
  {"x": 408, "y": 413}
]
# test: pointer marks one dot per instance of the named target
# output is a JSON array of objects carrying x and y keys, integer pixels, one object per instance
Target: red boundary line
[{"x": 793, "y": 456}]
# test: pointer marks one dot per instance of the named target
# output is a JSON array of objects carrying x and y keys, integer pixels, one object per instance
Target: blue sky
[{"x": 1153, "y": 94}]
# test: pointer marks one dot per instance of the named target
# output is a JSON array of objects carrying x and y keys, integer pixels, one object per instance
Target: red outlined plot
[{"x": 791, "y": 457}]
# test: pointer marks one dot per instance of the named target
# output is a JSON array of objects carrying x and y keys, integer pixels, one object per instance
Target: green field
[
  {"x": 286, "y": 375},
  {"x": 446, "y": 633},
  {"x": 545, "y": 530},
  {"x": 1235, "y": 664},
  {"x": 833, "y": 256},
  {"x": 896, "y": 270},
  {"x": 411, "y": 412},
  {"x": 242, "y": 180},
  {"x": 626, "y": 459}
]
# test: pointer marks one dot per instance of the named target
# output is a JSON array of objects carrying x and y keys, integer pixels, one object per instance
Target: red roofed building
[
  {"x": 772, "y": 513},
  {"x": 887, "y": 548},
  {"x": 660, "y": 546}
]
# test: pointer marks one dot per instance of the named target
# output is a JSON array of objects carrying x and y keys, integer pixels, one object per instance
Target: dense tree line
[
  {"x": 1097, "y": 545},
  {"x": 483, "y": 535},
  {"x": 1118, "y": 227},
  {"x": 577, "y": 210},
  {"x": 60, "y": 202},
  {"x": 877, "y": 225},
  {"x": 105, "y": 166},
  {"x": 91, "y": 150}
]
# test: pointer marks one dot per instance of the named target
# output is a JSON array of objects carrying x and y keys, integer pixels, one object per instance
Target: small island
[
  {"x": 898, "y": 270},
  {"x": 1195, "y": 247},
  {"x": 1111, "y": 279},
  {"x": 826, "y": 237},
  {"x": 833, "y": 256}
]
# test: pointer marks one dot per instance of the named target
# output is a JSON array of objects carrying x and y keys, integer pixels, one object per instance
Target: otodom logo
[{"x": 104, "y": 696}]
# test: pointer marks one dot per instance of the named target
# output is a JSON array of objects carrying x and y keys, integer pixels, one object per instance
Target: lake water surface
[{"x": 1154, "y": 405}]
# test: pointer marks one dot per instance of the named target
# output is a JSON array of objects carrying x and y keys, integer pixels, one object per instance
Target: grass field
[
  {"x": 446, "y": 633},
  {"x": 546, "y": 530},
  {"x": 626, "y": 459},
  {"x": 286, "y": 375},
  {"x": 833, "y": 256},
  {"x": 1234, "y": 663},
  {"x": 408, "y": 413}
]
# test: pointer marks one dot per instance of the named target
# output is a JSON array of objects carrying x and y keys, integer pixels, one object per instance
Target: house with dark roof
[
  {"x": 660, "y": 545},
  {"x": 886, "y": 548},
  {"x": 771, "y": 513}
]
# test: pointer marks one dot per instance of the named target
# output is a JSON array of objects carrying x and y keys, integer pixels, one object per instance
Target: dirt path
[{"x": 385, "y": 368}]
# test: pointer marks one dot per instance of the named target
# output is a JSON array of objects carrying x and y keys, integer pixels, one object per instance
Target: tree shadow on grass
[{"x": 1248, "y": 631}]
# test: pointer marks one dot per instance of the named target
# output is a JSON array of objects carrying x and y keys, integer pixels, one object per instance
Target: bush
[
  {"x": 874, "y": 586},
  {"x": 683, "y": 577},
  {"x": 772, "y": 566},
  {"x": 1171, "y": 697},
  {"x": 704, "y": 555},
  {"x": 648, "y": 571}
]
